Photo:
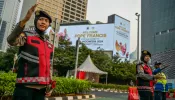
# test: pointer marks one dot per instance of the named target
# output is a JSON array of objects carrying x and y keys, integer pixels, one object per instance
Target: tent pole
[{"x": 106, "y": 79}]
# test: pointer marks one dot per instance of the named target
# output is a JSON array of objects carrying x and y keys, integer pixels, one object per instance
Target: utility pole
[
  {"x": 56, "y": 28},
  {"x": 138, "y": 50},
  {"x": 77, "y": 52}
]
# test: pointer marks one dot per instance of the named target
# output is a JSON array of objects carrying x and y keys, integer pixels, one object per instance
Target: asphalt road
[
  {"x": 113, "y": 96},
  {"x": 110, "y": 96}
]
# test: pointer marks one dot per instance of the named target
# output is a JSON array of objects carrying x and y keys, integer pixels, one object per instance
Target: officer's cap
[
  {"x": 145, "y": 52},
  {"x": 157, "y": 63},
  {"x": 40, "y": 13}
]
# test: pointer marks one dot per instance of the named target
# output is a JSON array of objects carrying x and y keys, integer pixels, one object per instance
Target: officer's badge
[
  {"x": 141, "y": 68},
  {"x": 22, "y": 34},
  {"x": 145, "y": 52},
  {"x": 37, "y": 13}
]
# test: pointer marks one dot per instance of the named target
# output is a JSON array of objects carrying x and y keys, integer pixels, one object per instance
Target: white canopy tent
[{"x": 88, "y": 66}]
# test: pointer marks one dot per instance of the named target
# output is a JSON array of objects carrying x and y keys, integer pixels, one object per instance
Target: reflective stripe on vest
[
  {"x": 32, "y": 79},
  {"x": 29, "y": 59},
  {"x": 29, "y": 55},
  {"x": 144, "y": 87}
]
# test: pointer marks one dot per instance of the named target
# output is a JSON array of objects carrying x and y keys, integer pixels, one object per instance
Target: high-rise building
[
  {"x": 8, "y": 16},
  {"x": 74, "y": 10},
  {"x": 63, "y": 10},
  {"x": 2, "y": 29},
  {"x": 158, "y": 31},
  {"x": 1, "y": 6},
  {"x": 2, "y": 33},
  {"x": 19, "y": 11}
]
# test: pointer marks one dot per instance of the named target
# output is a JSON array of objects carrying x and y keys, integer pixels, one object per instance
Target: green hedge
[
  {"x": 110, "y": 86},
  {"x": 68, "y": 86},
  {"x": 7, "y": 83},
  {"x": 171, "y": 90},
  {"x": 63, "y": 85}
]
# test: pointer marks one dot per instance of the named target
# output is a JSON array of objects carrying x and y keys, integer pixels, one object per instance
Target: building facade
[
  {"x": 63, "y": 10},
  {"x": 158, "y": 31},
  {"x": 9, "y": 15},
  {"x": 1, "y": 6},
  {"x": 74, "y": 10}
]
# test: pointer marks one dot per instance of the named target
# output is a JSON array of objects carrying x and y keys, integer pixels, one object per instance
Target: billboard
[
  {"x": 93, "y": 36},
  {"x": 121, "y": 37},
  {"x": 113, "y": 37}
]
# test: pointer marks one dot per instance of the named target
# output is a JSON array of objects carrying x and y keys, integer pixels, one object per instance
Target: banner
[
  {"x": 121, "y": 37},
  {"x": 93, "y": 36},
  {"x": 109, "y": 37}
]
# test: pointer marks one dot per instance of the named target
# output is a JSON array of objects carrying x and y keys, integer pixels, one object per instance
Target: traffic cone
[
  {"x": 133, "y": 93},
  {"x": 174, "y": 95},
  {"x": 167, "y": 95}
]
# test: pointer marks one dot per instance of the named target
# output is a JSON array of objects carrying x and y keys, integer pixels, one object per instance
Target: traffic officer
[
  {"x": 145, "y": 77},
  {"x": 161, "y": 86},
  {"x": 34, "y": 77}
]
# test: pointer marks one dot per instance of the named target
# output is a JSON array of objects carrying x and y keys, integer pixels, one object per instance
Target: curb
[
  {"x": 72, "y": 97},
  {"x": 108, "y": 90}
]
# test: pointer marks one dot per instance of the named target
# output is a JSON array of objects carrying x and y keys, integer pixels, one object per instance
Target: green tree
[
  {"x": 121, "y": 72},
  {"x": 6, "y": 58}
]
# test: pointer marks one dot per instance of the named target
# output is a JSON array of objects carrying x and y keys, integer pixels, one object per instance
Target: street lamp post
[
  {"x": 77, "y": 52},
  {"x": 138, "y": 15}
]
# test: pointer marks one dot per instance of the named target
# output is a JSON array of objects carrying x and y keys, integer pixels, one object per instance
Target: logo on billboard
[
  {"x": 122, "y": 24},
  {"x": 87, "y": 28},
  {"x": 93, "y": 28}
]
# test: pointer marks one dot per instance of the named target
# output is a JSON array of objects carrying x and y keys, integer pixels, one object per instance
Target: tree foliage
[{"x": 6, "y": 58}]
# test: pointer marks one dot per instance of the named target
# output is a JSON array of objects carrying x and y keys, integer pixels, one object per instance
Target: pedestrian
[
  {"x": 34, "y": 75},
  {"x": 161, "y": 86},
  {"x": 145, "y": 77}
]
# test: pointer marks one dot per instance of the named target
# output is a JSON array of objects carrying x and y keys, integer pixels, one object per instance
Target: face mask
[{"x": 149, "y": 62}]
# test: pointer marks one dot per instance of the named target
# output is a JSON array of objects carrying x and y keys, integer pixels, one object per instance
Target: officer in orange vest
[
  {"x": 34, "y": 77},
  {"x": 145, "y": 77}
]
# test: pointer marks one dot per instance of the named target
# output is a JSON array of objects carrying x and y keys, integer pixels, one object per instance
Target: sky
[{"x": 99, "y": 10}]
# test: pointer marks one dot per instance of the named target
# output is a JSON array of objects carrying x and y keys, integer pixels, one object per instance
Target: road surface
[{"x": 110, "y": 96}]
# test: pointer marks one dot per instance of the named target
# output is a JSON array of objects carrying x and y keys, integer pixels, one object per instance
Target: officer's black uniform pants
[
  {"x": 145, "y": 95},
  {"x": 158, "y": 95},
  {"x": 25, "y": 93}
]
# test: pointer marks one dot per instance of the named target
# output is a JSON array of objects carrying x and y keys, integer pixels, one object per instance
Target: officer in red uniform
[
  {"x": 145, "y": 77},
  {"x": 34, "y": 77}
]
